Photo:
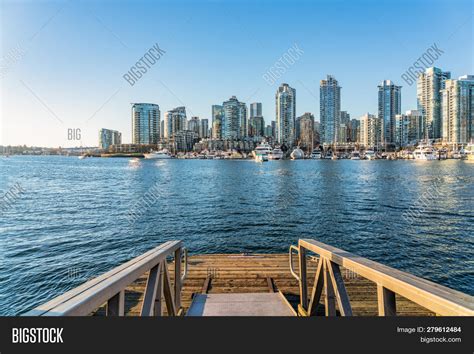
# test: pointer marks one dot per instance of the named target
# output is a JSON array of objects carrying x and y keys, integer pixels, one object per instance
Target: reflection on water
[{"x": 70, "y": 224}]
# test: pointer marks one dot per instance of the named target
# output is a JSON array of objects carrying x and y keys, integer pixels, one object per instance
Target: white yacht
[
  {"x": 297, "y": 154},
  {"x": 162, "y": 154},
  {"x": 355, "y": 155},
  {"x": 370, "y": 155},
  {"x": 261, "y": 152},
  {"x": 275, "y": 154},
  {"x": 316, "y": 154},
  {"x": 424, "y": 153}
]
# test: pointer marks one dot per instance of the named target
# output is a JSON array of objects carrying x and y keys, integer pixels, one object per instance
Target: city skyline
[
  {"x": 47, "y": 91},
  {"x": 241, "y": 117}
]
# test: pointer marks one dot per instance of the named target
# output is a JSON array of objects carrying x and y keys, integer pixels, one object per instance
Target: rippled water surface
[{"x": 70, "y": 224}]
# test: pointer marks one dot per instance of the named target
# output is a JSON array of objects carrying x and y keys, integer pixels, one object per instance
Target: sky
[{"x": 63, "y": 61}]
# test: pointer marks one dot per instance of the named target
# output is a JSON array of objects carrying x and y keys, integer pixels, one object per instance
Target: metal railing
[
  {"x": 110, "y": 287},
  {"x": 434, "y": 297}
]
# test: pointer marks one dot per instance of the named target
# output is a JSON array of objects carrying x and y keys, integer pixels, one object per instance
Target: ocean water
[{"x": 71, "y": 222}]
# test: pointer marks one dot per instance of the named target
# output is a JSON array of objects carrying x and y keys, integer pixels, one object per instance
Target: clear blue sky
[{"x": 76, "y": 53}]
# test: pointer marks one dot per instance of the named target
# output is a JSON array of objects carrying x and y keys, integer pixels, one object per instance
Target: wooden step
[{"x": 249, "y": 304}]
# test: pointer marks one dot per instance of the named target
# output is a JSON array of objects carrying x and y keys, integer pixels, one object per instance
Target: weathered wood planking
[{"x": 233, "y": 273}]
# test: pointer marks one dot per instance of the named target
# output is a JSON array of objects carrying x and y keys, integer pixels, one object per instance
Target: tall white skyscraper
[
  {"x": 390, "y": 98},
  {"x": 285, "y": 115},
  {"x": 458, "y": 110},
  {"x": 145, "y": 123},
  {"x": 329, "y": 110},
  {"x": 429, "y": 86}
]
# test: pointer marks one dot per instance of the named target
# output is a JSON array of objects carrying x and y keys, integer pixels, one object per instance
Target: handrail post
[
  {"x": 329, "y": 299},
  {"x": 177, "y": 278},
  {"x": 386, "y": 301},
  {"x": 303, "y": 282},
  {"x": 116, "y": 305}
]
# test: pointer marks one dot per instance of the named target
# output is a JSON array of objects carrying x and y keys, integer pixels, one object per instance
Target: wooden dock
[
  {"x": 262, "y": 273},
  {"x": 312, "y": 279}
]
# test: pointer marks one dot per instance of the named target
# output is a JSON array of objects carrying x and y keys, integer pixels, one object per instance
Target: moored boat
[
  {"x": 162, "y": 154},
  {"x": 424, "y": 152},
  {"x": 316, "y": 154},
  {"x": 355, "y": 155},
  {"x": 369, "y": 155},
  {"x": 261, "y": 152},
  {"x": 275, "y": 154}
]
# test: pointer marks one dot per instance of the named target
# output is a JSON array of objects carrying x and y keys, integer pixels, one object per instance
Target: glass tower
[
  {"x": 285, "y": 115},
  {"x": 389, "y": 106},
  {"x": 145, "y": 123},
  {"x": 329, "y": 110}
]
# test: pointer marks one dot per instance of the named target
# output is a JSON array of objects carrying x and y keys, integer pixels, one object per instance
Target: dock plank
[{"x": 235, "y": 273}]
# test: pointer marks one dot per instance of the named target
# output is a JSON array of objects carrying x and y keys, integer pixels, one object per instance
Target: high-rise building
[
  {"x": 342, "y": 133},
  {"x": 255, "y": 109},
  {"x": 353, "y": 132},
  {"x": 285, "y": 115},
  {"x": 429, "y": 86},
  {"x": 458, "y": 110},
  {"x": 390, "y": 99},
  {"x": 273, "y": 124},
  {"x": 370, "y": 130},
  {"x": 162, "y": 129},
  {"x": 416, "y": 126},
  {"x": 108, "y": 137},
  {"x": 297, "y": 129},
  {"x": 175, "y": 121},
  {"x": 317, "y": 130},
  {"x": 256, "y": 126},
  {"x": 234, "y": 125},
  {"x": 204, "y": 128},
  {"x": 145, "y": 123},
  {"x": 193, "y": 124},
  {"x": 184, "y": 140},
  {"x": 329, "y": 109},
  {"x": 401, "y": 130},
  {"x": 408, "y": 128},
  {"x": 345, "y": 117},
  {"x": 306, "y": 138},
  {"x": 217, "y": 119},
  {"x": 268, "y": 131}
]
